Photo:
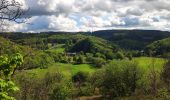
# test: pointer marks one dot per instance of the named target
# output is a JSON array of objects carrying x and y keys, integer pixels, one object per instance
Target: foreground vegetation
[{"x": 80, "y": 66}]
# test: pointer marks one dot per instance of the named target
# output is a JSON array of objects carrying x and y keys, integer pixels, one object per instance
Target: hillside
[
  {"x": 32, "y": 58},
  {"x": 93, "y": 45},
  {"x": 43, "y": 41},
  {"x": 160, "y": 47},
  {"x": 132, "y": 39},
  {"x": 7, "y": 47},
  {"x": 126, "y": 39}
]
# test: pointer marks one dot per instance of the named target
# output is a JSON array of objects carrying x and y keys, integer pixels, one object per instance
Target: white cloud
[
  {"x": 62, "y": 23},
  {"x": 74, "y": 15}
]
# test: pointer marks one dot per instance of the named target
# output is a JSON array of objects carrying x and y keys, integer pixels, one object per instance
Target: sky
[{"x": 91, "y": 15}]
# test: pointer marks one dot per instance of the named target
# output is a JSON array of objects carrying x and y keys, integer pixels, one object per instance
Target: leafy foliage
[
  {"x": 160, "y": 47},
  {"x": 7, "y": 68},
  {"x": 120, "y": 79}
]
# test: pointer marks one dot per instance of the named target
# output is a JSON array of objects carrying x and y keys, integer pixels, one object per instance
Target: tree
[
  {"x": 129, "y": 56},
  {"x": 119, "y": 55},
  {"x": 81, "y": 60},
  {"x": 98, "y": 62},
  {"x": 10, "y": 10},
  {"x": 79, "y": 79},
  {"x": 7, "y": 68},
  {"x": 119, "y": 79},
  {"x": 110, "y": 55}
]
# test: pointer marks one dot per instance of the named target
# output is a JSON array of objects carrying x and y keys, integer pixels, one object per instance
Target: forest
[{"x": 85, "y": 66}]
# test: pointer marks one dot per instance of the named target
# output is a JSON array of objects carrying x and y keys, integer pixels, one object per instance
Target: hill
[
  {"x": 126, "y": 39},
  {"x": 132, "y": 39},
  {"x": 103, "y": 41},
  {"x": 8, "y": 47},
  {"x": 159, "y": 48},
  {"x": 92, "y": 45},
  {"x": 32, "y": 58}
]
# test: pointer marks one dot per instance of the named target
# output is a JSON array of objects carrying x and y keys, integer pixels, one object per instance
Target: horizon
[{"x": 89, "y": 31}]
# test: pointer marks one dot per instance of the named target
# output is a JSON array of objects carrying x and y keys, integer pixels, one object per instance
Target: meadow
[{"x": 69, "y": 70}]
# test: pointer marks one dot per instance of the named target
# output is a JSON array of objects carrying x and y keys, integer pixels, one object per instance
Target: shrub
[
  {"x": 120, "y": 79},
  {"x": 80, "y": 78},
  {"x": 99, "y": 55},
  {"x": 98, "y": 62},
  {"x": 166, "y": 74},
  {"x": 120, "y": 55},
  {"x": 81, "y": 60},
  {"x": 110, "y": 55},
  {"x": 61, "y": 92},
  {"x": 163, "y": 94}
]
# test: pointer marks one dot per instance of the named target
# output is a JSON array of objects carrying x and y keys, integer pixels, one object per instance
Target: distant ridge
[{"x": 97, "y": 31}]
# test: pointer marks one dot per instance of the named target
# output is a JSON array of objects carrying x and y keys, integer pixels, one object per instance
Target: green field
[
  {"x": 59, "y": 48},
  {"x": 67, "y": 69},
  {"x": 147, "y": 62}
]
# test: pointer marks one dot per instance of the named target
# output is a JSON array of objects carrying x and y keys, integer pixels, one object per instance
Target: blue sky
[{"x": 84, "y": 15}]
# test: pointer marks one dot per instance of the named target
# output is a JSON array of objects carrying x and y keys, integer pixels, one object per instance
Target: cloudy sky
[{"x": 87, "y": 15}]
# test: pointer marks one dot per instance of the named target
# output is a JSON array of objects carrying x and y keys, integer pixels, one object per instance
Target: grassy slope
[
  {"x": 59, "y": 48},
  {"x": 146, "y": 62},
  {"x": 67, "y": 69}
]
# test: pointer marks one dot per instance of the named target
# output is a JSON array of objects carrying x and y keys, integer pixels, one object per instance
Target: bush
[
  {"x": 61, "y": 92},
  {"x": 34, "y": 88},
  {"x": 110, "y": 55},
  {"x": 120, "y": 55},
  {"x": 120, "y": 79},
  {"x": 80, "y": 78},
  {"x": 163, "y": 94},
  {"x": 81, "y": 60},
  {"x": 98, "y": 62},
  {"x": 129, "y": 56},
  {"x": 37, "y": 60},
  {"x": 166, "y": 74},
  {"x": 99, "y": 55},
  {"x": 89, "y": 55}
]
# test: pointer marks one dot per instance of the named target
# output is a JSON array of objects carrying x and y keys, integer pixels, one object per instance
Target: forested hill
[
  {"x": 126, "y": 39},
  {"x": 159, "y": 48},
  {"x": 132, "y": 39}
]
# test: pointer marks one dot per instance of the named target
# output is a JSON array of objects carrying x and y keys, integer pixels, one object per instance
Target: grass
[
  {"x": 147, "y": 62},
  {"x": 148, "y": 65},
  {"x": 67, "y": 69},
  {"x": 59, "y": 48}
]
